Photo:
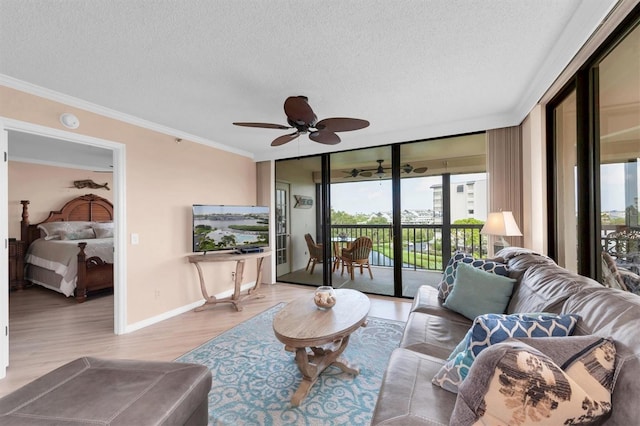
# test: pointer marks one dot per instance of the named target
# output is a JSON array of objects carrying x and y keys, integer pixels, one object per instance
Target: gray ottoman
[{"x": 112, "y": 392}]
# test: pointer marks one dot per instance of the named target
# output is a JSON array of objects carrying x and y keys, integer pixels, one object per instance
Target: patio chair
[
  {"x": 357, "y": 254},
  {"x": 315, "y": 252}
]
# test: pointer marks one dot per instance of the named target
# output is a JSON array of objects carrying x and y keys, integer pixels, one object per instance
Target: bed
[{"x": 71, "y": 251}]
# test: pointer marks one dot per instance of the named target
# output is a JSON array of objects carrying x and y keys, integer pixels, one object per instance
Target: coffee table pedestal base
[{"x": 311, "y": 364}]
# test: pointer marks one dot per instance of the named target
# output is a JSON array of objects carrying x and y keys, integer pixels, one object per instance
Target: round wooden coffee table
[{"x": 319, "y": 337}]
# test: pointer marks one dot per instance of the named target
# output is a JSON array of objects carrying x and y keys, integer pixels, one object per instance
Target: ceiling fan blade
[
  {"x": 420, "y": 170},
  {"x": 341, "y": 124},
  {"x": 264, "y": 125},
  {"x": 366, "y": 174},
  {"x": 325, "y": 137},
  {"x": 299, "y": 112},
  {"x": 352, "y": 173},
  {"x": 284, "y": 139}
]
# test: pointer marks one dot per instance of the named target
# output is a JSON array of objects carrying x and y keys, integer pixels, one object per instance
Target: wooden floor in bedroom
[{"x": 47, "y": 330}]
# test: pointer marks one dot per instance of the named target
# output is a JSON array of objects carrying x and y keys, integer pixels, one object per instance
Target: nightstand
[{"x": 16, "y": 264}]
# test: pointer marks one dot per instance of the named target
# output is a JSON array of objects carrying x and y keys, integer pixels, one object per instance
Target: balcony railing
[{"x": 422, "y": 244}]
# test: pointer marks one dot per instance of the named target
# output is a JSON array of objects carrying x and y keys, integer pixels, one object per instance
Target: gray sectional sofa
[{"x": 407, "y": 395}]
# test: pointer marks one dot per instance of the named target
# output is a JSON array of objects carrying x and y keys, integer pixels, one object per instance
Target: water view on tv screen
[{"x": 229, "y": 227}]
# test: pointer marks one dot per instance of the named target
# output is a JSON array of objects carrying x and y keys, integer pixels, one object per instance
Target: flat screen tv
[{"x": 221, "y": 227}]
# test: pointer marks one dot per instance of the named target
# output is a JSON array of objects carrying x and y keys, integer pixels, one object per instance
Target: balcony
[
  {"x": 423, "y": 259},
  {"x": 422, "y": 244}
]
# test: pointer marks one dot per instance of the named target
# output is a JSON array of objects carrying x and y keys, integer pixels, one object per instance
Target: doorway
[
  {"x": 118, "y": 162},
  {"x": 283, "y": 233}
]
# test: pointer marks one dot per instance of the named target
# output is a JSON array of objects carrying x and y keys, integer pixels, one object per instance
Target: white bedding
[{"x": 61, "y": 257}]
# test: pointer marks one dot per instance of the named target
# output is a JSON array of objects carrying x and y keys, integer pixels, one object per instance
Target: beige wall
[
  {"x": 47, "y": 188},
  {"x": 163, "y": 180}
]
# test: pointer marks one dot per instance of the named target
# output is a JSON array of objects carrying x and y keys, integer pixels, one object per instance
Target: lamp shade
[{"x": 501, "y": 223}]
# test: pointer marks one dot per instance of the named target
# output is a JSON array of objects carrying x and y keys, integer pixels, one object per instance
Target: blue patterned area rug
[{"x": 254, "y": 377}]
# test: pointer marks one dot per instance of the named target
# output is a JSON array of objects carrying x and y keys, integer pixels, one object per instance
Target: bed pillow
[
  {"x": 103, "y": 229},
  {"x": 80, "y": 234},
  {"x": 449, "y": 275},
  {"x": 477, "y": 292},
  {"x": 500, "y": 386},
  {"x": 490, "y": 329},
  {"x": 51, "y": 229}
]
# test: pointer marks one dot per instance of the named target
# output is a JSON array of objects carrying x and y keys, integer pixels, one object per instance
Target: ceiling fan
[
  {"x": 380, "y": 171},
  {"x": 301, "y": 117}
]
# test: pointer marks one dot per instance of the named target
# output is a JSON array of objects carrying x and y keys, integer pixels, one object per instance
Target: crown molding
[{"x": 52, "y": 95}]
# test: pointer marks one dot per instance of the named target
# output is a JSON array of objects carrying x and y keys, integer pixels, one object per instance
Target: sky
[
  {"x": 612, "y": 187},
  {"x": 375, "y": 196}
]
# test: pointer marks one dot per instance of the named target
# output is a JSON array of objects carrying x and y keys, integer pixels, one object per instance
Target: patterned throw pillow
[
  {"x": 449, "y": 274},
  {"x": 490, "y": 329},
  {"x": 515, "y": 383},
  {"x": 446, "y": 284},
  {"x": 79, "y": 234}
]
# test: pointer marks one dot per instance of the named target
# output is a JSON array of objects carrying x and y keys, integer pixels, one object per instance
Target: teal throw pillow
[
  {"x": 490, "y": 329},
  {"x": 476, "y": 292},
  {"x": 449, "y": 275}
]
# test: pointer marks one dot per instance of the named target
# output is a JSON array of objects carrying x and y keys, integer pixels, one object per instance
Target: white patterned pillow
[
  {"x": 490, "y": 329},
  {"x": 51, "y": 229},
  {"x": 80, "y": 234},
  {"x": 449, "y": 275},
  {"x": 103, "y": 229},
  {"x": 515, "y": 383}
]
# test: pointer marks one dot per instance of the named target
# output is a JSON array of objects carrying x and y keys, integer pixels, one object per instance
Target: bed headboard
[{"x": 89, "y": 207}]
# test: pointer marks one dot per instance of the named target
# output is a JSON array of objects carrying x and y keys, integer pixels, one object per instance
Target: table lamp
[{"x": 501, "y": 224}]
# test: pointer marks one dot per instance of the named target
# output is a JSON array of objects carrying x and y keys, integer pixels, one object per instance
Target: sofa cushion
[
  {"x": 432, "y": 334},
  {"x": 449, "y": 275},
  {"x": 407, "y": 397},
  {"x": 544, "y": 287},
  {"x": 426, "y": 301},
  {"x": 514, "y": 383},
  {"x": 518, "y": 260},
  {"x": 490, "y": 329},
  {"x": 476, "y": 292}
]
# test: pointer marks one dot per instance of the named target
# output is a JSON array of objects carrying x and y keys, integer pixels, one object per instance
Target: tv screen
[{"x": 220, "y": 227}]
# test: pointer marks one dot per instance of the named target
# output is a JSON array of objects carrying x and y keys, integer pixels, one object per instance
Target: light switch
[{"x": 134, "y": 239}]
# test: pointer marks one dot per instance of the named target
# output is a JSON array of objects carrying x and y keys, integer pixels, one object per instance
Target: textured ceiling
[{"x": 190, "y": 68}]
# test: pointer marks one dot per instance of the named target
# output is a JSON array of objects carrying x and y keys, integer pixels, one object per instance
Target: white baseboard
[{"x": 181, "y": 310}]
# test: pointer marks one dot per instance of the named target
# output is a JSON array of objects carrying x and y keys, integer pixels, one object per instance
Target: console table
[{"x": 236, "y": 299}]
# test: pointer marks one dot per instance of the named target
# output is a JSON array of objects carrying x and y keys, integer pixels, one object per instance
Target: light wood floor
[{"x": 48, "y": 330}]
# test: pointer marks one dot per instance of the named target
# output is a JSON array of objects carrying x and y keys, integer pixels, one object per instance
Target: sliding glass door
[
  {"x": 619, "y": 137},
  {"x": 362, "y": 208},
  {"x": 413, "y": 203},
  {"x": 594, "y": 150}
]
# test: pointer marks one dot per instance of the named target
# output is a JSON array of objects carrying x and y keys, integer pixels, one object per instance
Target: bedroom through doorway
[{"x": 61, "y": 159}]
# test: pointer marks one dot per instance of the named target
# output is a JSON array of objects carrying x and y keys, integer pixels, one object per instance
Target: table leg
[{"x": 208, "y": 300}]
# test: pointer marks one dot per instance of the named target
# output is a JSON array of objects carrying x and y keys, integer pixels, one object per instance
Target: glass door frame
[{"x": 586, "y": 84}]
